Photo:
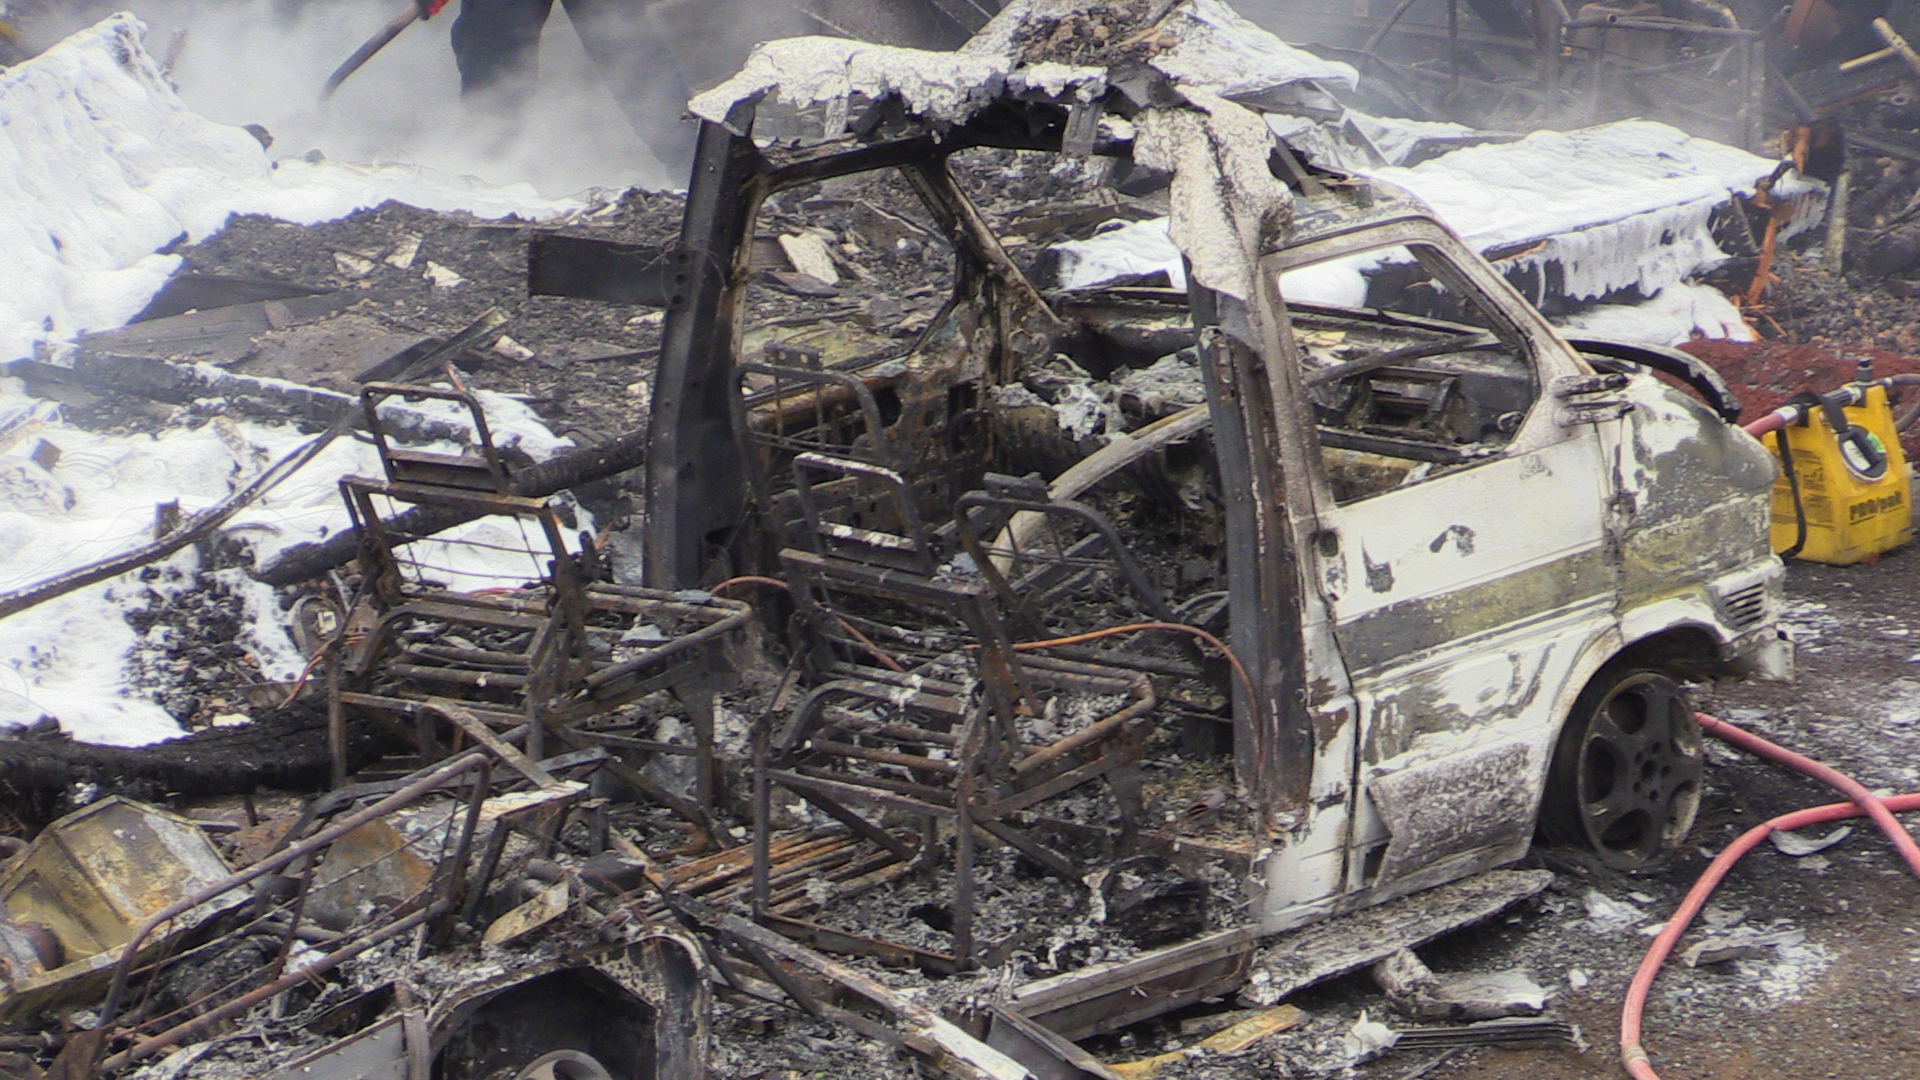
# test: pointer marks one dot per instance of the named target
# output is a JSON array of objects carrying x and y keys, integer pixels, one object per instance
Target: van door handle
[
  {"x": 1572, "y": 386},
  {"x": 1575, "y": 413},
  {"x": 1591, "y": 409}
]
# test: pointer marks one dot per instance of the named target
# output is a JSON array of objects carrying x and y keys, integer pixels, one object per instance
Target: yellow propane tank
[{"x": 1851, "y": 514}]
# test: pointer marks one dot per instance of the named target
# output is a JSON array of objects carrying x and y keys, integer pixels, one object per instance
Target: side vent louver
[{"x": 1745, "y": 607}]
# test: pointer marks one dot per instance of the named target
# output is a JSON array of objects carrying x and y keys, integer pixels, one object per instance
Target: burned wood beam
[
  {"x": 195, "y": 291},
  {"x": 285, "y": 751}
]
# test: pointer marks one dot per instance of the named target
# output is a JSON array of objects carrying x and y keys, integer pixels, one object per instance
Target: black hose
[
  {"x": 1908, "y": 418},
  {"x": 1793, "y": 485}
]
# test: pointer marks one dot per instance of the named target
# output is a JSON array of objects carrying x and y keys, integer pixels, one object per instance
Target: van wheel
[{"x": 1625, "y": 778}]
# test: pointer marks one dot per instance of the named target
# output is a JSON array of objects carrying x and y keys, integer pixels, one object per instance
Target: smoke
[{"x": 264, "y": 61}]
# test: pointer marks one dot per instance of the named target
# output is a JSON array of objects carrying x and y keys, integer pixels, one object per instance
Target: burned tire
[{"x": 1626, "y": 775}]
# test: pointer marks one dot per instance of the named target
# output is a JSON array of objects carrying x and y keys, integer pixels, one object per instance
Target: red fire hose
[
  {"x": 1864, "y": 803},
  {"x": 1826, "y": 774}
]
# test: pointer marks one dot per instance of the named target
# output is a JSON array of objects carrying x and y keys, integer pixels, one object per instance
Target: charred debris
[{"x": 982, "y": 669}]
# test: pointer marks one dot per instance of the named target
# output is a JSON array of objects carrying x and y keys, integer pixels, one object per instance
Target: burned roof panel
[{"x": 1062, "y": 49}]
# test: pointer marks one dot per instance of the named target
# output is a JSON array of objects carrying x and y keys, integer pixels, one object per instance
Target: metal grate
[{"x": 1745, "y": 607}]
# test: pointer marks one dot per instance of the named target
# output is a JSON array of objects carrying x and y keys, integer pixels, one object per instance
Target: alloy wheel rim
[{"x": 1640, "y": 771}]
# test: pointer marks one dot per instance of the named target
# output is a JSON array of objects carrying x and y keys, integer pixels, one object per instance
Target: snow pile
[
  {"x": 102, "y": 165},
  {"x": 69, "y": 658}
]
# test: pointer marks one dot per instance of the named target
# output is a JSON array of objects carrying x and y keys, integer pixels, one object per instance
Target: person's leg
[
  {"x": 640, "y": 63},
  {"x": 496, "y": 44}
]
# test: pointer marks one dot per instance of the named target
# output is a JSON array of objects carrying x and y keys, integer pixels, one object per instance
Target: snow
[
  {"x": 68, "y": 658},
  {"x": 102, "y": 165}
]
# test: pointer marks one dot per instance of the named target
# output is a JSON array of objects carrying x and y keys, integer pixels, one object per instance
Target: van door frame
[{"x": 1552, "y": 359}]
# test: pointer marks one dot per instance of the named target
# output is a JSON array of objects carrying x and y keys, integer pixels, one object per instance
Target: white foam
[
  {"x": 102, "y": 164},
  {"x": 1140, "y": 247},
  {"x": 1395, "y": 137},
  {"x": 1678, "y": 314},
  {"x": 1143, "y": 247},
  {"x": 1617, "y": 206},
  {"x": 1216, "y": 48},
  {"x": 68, "y": 658},
  {"x": 1210, "y": 48}
]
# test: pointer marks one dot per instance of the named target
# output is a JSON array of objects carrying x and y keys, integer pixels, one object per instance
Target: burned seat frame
[
  {"x": 950, "y": 746},
  {"x": 540, "y": 673}
]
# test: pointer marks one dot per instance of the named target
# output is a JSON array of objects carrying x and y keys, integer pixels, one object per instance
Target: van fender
[{"x": 1599, "y": 651}]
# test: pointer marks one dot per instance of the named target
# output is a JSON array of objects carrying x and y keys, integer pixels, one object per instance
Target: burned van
[{"x": 1355, "y": 600}]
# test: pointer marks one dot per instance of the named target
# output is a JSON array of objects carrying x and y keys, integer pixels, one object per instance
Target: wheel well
[
  {"x": 1685, "y": 652},
  {"x": 1681, "y": 652}
]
